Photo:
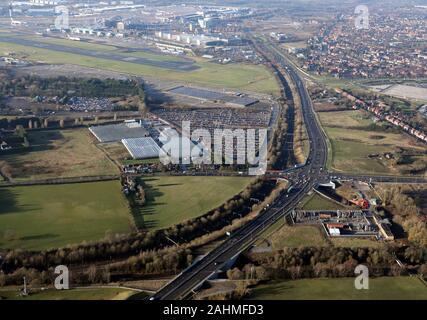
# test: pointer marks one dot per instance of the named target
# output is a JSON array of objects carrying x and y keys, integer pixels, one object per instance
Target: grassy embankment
[
  {"x": 74, "y": 294},
  {"x": 385, "y": 288}
]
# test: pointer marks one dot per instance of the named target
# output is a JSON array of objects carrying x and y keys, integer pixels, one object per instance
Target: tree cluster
[
  {"x": 62, "y": 87},
  {"x": 405, "y": 213},
  {"x": 321, "y": 262}
]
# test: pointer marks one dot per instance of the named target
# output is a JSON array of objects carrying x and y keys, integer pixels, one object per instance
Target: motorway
[
  {"x": 314, "y": 172},
  {"x": 191, "y": 278},
  {"x": 303, "y": 179}
]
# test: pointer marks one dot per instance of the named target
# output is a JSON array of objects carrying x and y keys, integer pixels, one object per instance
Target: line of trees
[
  {"x": 321, "y": 262},
  {"x": 278, "y": 140},
  {"x": 2, "y": 104},
  {"x": 165, "y": 262},
  {"x": 290, "y": 263},
  {"x": 300, "y": 131},
  {"x": 62, "y": 86}
]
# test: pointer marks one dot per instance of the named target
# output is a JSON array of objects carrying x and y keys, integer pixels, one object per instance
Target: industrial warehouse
[
  {"x": 148, "y": 139},
  {"x": 117, "y": 132},
  {"x": 346, "y": 223}
]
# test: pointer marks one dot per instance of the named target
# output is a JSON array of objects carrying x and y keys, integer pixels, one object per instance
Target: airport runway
[{"x": 184, "y": 65}]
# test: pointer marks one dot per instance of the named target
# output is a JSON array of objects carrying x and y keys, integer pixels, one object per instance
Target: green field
[
  {"x": 387, "y": 288},
  {"x": 171, "y": 200},
  {"x": 352, "y": 156},
  {"x": 347, "y": 118},
  {"x": 352, "y": 143},
  {"x": 317, "y": 202},
  {"x": 74, "y": 294},
  {"x": 58, "y": 154},
  {"x": 249, "y": 77},
  {"x": 370, "y": 138},
  {"x": 297, "y": 236},
  {"x": 42, "y": 217}
]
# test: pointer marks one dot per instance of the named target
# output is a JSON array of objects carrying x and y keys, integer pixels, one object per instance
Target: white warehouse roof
[{"x": 142, "y": 148}]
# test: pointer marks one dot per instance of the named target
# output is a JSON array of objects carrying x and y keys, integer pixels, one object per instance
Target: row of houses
[
  {"x": 379, "y": 111},
  {"x": 412, "y": 131}
]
